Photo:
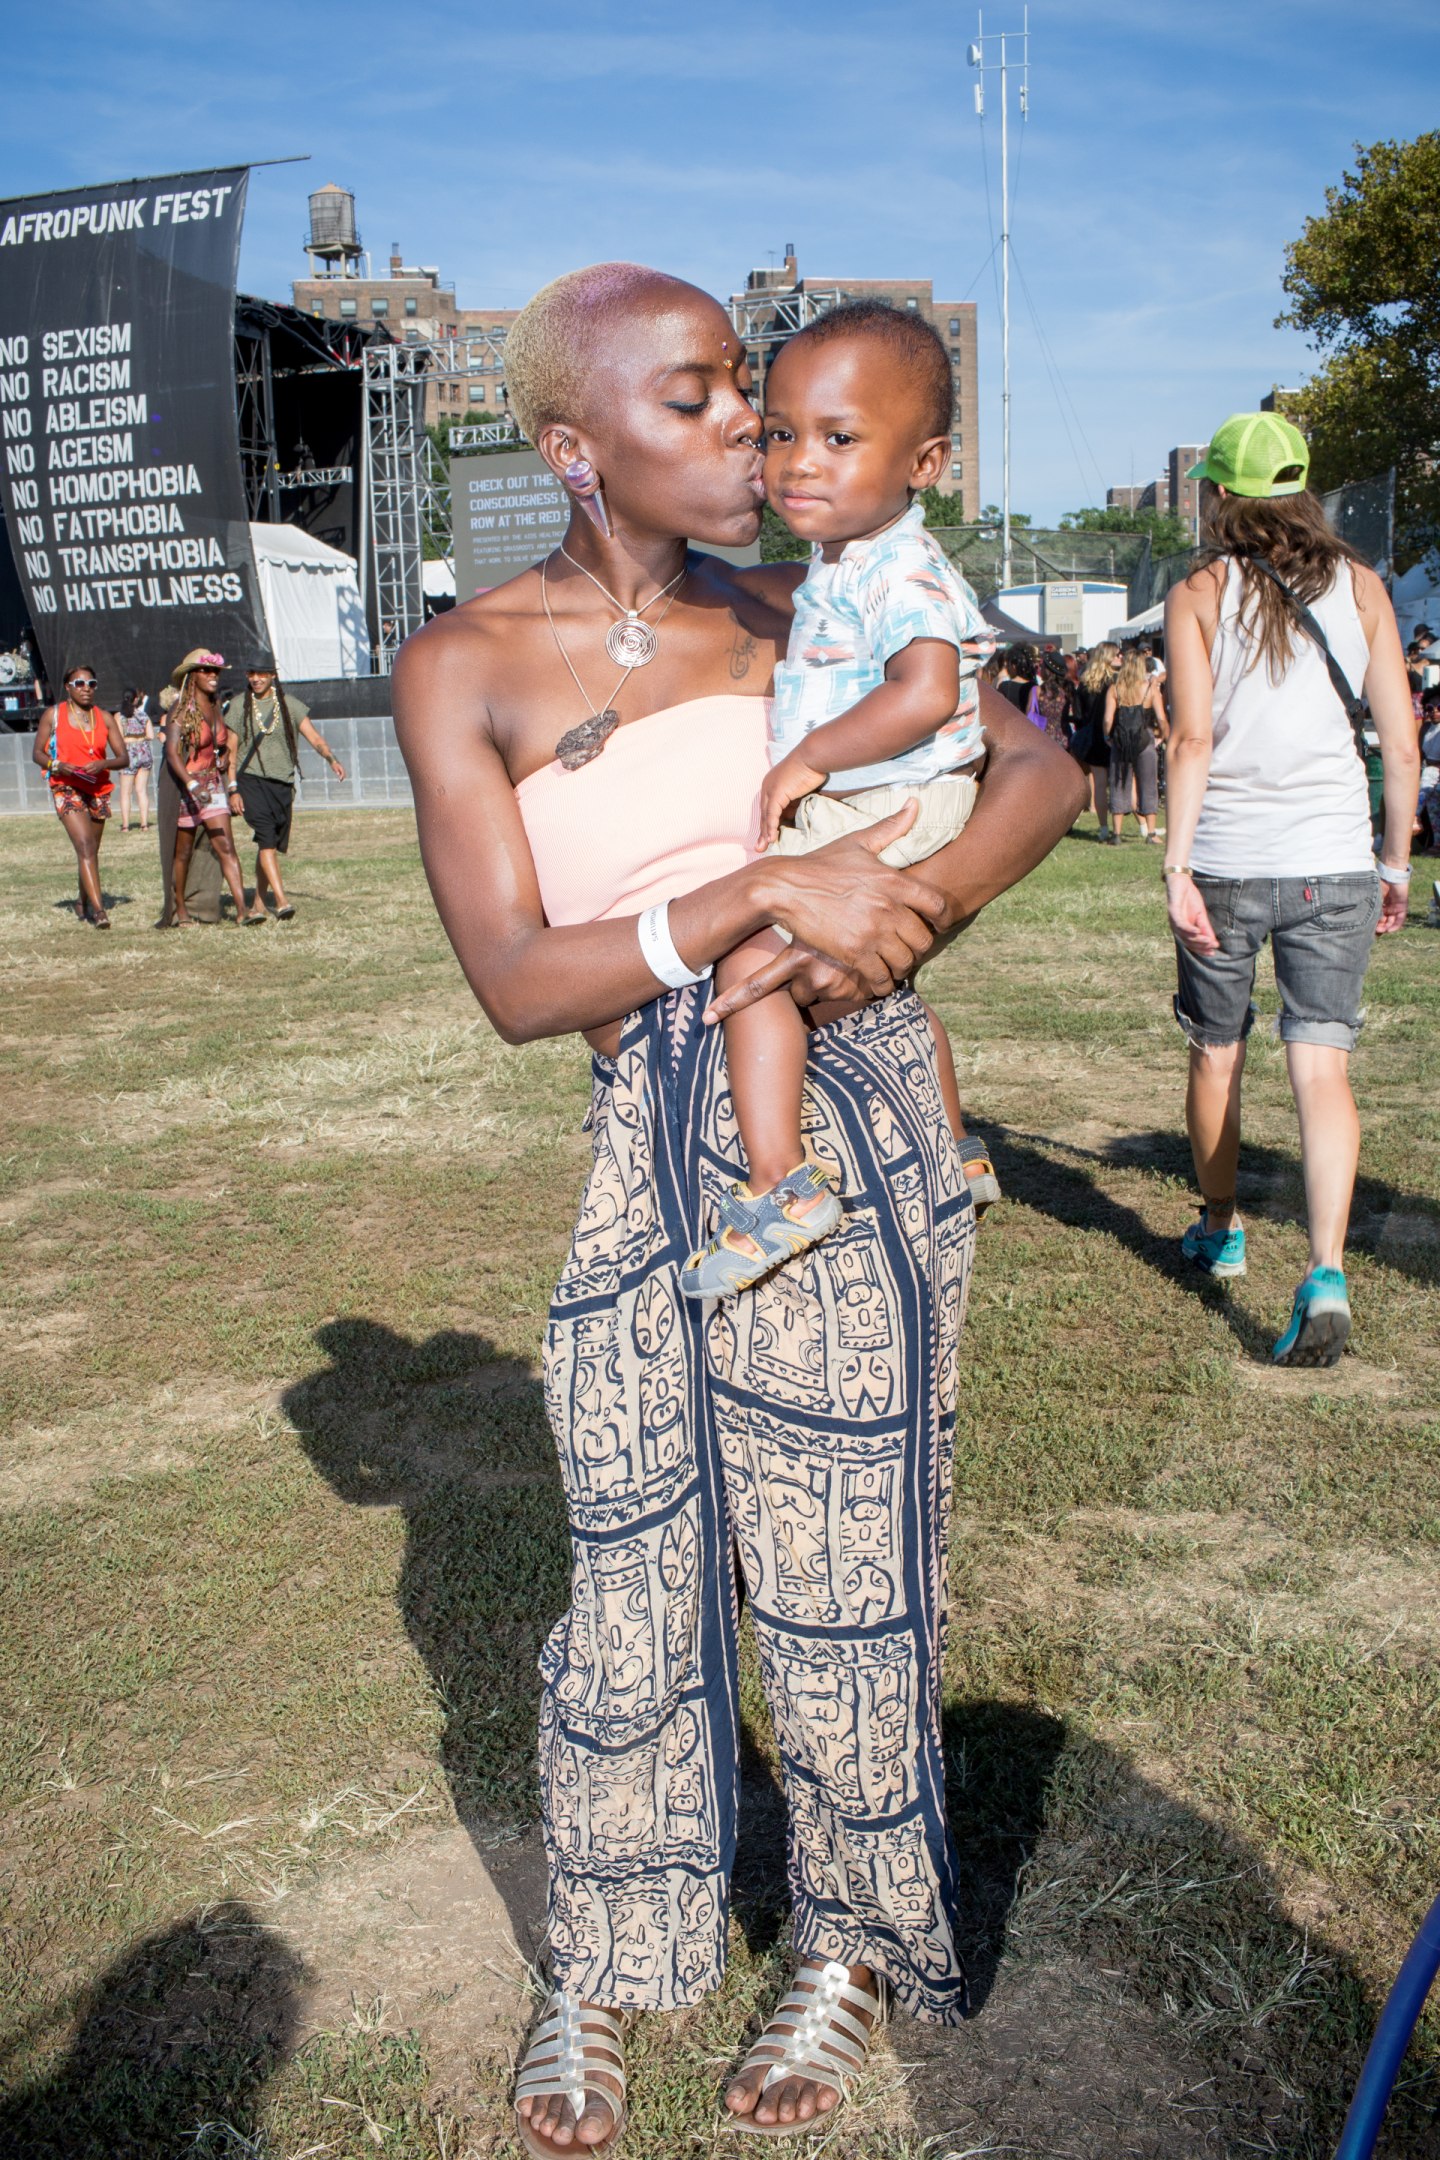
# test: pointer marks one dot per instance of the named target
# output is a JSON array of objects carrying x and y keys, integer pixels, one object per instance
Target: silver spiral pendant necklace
[
  {"x": 630, "y": 642},
  {"x": 582, "y": 744}
]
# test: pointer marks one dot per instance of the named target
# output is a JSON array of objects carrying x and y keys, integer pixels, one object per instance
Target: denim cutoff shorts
[{"x": 1320, "y": 931}]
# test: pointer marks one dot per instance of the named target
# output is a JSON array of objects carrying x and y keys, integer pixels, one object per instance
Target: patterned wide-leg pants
[{"x": 807, "y": 1422}]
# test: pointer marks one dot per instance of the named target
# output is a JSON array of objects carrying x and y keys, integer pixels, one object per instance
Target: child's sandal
[{"x": 723, "y": 1269}]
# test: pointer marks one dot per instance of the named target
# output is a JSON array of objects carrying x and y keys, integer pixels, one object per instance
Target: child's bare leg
[
  {"x": 765, "y": 1055},
  {"x": 949, "y": 1085}
]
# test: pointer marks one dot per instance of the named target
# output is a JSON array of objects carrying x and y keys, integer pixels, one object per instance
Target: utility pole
[{"x": 983, "y": 64}]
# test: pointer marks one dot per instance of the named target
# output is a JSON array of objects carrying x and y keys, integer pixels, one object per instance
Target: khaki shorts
[{"x": 945, "y": 807}]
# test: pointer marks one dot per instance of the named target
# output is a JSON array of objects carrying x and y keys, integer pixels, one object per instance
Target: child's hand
[{"x": 784, "y": 784}]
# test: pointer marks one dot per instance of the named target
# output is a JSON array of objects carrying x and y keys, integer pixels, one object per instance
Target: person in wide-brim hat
[
  {"x": 200, "y": 656},
  {"x": 200, "y": 759}
]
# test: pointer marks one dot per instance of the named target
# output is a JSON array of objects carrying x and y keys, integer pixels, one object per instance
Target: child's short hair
[{"x": 915, "y": 343}]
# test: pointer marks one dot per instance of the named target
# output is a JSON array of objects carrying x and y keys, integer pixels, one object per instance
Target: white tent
[
  {"x": 438, "y": 579},
  {"x": 1417, "y": 595},
  {"x": 1144, "y": 625},
  {"x": 311, "y": 599}
]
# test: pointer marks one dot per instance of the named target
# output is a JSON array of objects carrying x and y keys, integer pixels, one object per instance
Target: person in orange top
[{"x": 79, "y": 746}]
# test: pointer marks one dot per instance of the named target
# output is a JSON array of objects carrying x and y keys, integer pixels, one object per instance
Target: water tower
[{"x": 334, "y": 245}]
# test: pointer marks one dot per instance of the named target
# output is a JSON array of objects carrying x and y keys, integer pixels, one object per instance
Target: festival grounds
[{"x": 283, "y": 1533}]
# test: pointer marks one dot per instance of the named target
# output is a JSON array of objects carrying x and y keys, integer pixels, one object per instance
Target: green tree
[
  {"x": 1363, "y": 281},
  {"x": 992, "y": 514},
  {"x": 1169, "y": 535}
]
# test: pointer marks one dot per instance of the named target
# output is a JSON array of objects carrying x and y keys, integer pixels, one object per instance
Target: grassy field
[{"x": 282, "y": 1534}]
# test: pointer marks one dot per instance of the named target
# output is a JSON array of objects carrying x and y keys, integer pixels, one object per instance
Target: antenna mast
[{"x": 984, "y": 64}]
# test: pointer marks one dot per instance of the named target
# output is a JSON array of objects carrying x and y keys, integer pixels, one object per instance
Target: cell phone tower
[{"x": 1013, "y": 56}]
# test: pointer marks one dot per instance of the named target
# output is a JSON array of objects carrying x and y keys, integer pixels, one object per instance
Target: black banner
[{"x": 119, "y": 447}]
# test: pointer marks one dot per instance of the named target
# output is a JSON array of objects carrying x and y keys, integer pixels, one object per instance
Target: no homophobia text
[{"x": 119, "y": 444}]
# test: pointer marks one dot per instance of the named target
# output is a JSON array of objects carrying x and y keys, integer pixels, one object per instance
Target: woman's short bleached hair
[{"x": 549, "y": 342}]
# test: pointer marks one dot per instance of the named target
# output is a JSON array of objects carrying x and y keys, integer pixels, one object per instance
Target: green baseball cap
[{"x": 1249, "y": 449}]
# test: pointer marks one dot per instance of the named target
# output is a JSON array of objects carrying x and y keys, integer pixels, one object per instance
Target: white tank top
[{"x": 1287, "y": 795}]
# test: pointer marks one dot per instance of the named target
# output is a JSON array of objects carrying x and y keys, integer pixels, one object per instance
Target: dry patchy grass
[{"x": 281, "y": 1535}]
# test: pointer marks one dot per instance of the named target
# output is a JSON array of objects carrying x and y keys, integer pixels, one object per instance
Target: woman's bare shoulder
[
  {"x": 1201, "y": 588},
  {"x": 461, "y": 651}
]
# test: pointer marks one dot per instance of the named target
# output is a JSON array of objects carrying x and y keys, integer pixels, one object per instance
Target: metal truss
[
  {"x": 255, "y": 411},
  {"x": 765, "y": 319},
  {"x": 317, "y": 476},
  {"x": 396, "y": 478},
  {"x": 485, "y": 435}
]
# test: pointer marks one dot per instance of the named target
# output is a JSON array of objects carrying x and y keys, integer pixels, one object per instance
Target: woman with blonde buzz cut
[{"x": 587, "y": 745}]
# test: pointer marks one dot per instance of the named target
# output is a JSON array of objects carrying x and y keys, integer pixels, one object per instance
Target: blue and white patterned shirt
[{"x": 853, "y": 615}]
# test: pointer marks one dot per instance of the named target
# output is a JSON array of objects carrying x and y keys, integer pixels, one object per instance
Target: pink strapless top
[{"x": 671, "y": 802}]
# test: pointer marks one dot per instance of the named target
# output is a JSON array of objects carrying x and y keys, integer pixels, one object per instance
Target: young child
[{"x": 876, "y": 704}]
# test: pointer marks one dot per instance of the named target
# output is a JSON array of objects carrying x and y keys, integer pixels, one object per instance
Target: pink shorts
[{"x": 207, "y": 792}]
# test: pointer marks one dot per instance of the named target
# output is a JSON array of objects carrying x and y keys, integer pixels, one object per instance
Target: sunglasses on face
[{"x": 83, "y": 682}]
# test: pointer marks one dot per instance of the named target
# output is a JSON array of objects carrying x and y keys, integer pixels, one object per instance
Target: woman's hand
[
  {"x": 1188, "y": 918},
  {"x": 784, "y": 784},
  {"x": 1394, "y": 906},
  {"x": 859, "y": 928}
]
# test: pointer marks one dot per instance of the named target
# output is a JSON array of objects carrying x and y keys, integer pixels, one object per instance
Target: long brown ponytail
[{"x": 1295, "y": 537}]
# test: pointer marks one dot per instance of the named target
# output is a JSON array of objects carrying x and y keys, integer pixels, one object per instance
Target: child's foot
[
  {"x": 980, "y": 1177},
  {"x": 1319, "y": 1323},
  {"x": 1215, "y": 1252},
  {"x": 760, "y": 1230}
]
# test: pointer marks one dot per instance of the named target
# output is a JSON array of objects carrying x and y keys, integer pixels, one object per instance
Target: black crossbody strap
[{"x": 1355, "y": 707}]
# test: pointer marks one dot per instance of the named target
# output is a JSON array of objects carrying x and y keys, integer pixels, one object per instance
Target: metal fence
[
  {"x": 375, "y": 775},
  {"x": 1362, "y": 512},
  {"x": 1042, "y": 556}
]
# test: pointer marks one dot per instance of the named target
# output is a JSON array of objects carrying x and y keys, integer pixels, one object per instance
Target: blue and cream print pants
[{"x": 808, "y": 1424}]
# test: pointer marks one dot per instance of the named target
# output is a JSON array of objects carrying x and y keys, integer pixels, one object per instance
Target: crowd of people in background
[
  {"x": 1106, "y": 703},
  {"x": 217, "y": 762},
  {"x": 213, "y": 761}
]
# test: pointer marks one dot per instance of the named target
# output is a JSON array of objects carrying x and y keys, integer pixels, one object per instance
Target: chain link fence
[
  {"x": 1043, "y": 555},
  {"x": 1362, "y": 512}
]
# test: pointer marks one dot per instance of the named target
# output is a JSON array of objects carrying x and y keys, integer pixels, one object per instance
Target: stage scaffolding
[{"x": 407, "y": 481}]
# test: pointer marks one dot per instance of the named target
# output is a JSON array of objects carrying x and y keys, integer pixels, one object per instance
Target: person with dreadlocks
[
  {"x": 200, "y": 757},
  {"x": 265, "y": 723}
]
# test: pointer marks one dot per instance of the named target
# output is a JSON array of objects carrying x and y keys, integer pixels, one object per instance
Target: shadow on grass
[
  {"x": 183, "y": 2031},
  {"x": 1108, "y": 1929},
  {"x": 1066, "y": 1183},
  {"x": 74, "y": 906},
  {"x": 454, "y": 1434}
]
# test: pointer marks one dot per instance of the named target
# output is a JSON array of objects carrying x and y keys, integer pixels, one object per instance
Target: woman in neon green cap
[{"x": 1271, "y": 643}]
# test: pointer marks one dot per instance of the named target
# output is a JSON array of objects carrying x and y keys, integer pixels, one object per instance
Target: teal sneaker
[
  {"x": 1218, "y": 1252},
  {"x": 1320, "y": 1323}
]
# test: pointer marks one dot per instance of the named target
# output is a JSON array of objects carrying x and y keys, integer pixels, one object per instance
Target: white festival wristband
[
  {"x": 658, "y": 950},
  {"x": 1393, "y": 874}
]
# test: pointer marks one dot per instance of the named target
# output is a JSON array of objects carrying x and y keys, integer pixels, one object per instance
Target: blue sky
[{"x": 1170, "y": 154}]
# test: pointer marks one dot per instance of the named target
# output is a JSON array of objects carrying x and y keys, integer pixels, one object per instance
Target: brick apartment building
[
  {"x": 768, "y": 302},
  {"x": 1169, "y": 491},
  {"x": 415, "y": 306}
]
